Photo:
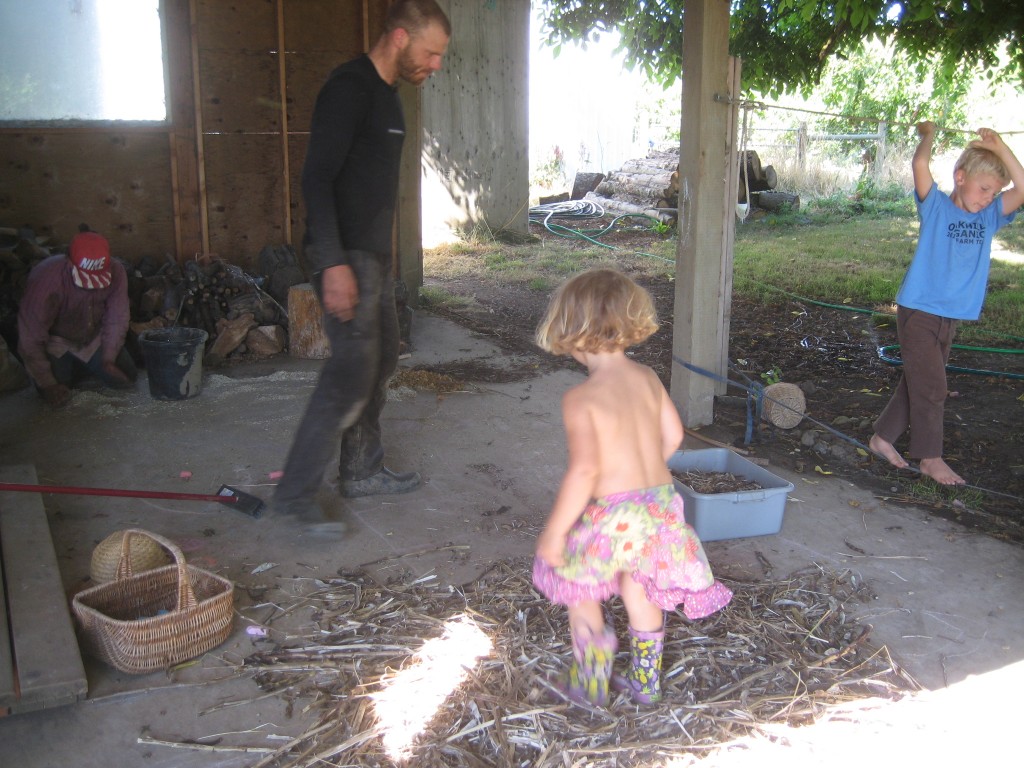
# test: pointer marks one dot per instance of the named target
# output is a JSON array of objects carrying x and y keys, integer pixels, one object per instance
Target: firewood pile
[
  {"x": 647, "y": 185},
  {"x": 219, "y": 298},
  {"x": 650, "y": 186}
]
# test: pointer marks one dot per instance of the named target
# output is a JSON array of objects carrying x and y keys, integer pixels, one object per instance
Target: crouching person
[{"x": 73, "y": 319}]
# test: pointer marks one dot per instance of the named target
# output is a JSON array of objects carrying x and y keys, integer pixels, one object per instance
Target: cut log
[
  {"x": 266, "y": 340},
  {"x": 776, "y": 201},
  {"x": 654, "y": 162},
  {"x": 561, "y": 197},
  {"x": 611, "y": 205},
  {"x": 230, "y": 334},
  {"x": 306, "y": 337},
  {"x": 651, "y": 186}
]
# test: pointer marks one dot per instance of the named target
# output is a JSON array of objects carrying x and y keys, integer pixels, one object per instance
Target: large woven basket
[{"x": 142, "y": 622}]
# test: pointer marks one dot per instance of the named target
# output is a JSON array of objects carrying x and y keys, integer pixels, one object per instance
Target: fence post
[
  {"x": 880, "y": 152},
  {"x": 801, "y": 147}
]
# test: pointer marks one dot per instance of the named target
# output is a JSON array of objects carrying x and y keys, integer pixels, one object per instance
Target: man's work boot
[{"x": 385, "y": 481}]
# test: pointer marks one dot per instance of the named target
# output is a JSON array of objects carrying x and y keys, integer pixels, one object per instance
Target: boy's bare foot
[
  {"x": 885, "y": 449},
  {"x": 939, "y": 471}
]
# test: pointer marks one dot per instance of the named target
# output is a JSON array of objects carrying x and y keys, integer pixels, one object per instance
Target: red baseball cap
[{"x": 90, "y": 260}]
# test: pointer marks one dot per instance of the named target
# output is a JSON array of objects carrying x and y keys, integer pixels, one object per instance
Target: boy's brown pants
[{"x": 920, "y": 397}]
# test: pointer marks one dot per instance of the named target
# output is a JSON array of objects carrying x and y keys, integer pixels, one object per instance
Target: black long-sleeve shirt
[{"x": 350, "y": 177}]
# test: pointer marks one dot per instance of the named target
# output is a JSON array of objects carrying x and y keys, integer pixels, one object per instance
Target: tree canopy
[{"x": 785, "y": 45}]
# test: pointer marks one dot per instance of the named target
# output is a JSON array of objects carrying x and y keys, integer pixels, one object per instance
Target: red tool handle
[{"x": 117, "y": 492}]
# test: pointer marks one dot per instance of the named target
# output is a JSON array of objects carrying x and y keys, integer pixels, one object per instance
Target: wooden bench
[{"x": 40, "y": 663}]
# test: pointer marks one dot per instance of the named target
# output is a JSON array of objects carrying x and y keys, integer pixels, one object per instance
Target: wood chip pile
[{"x": 780, "y": 653}]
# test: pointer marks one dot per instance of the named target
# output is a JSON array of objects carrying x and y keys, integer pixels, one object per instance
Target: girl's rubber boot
[
  {"x": 643, "y": 680},
  {"x": 589, "y": 676}
]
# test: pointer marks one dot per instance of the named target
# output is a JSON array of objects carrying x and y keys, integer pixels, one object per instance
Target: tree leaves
[{"x": 786, "y": 45}]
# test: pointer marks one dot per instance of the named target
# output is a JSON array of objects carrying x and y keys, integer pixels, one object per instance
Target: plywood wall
[
  {"x": 118, "y": 182},
  {"x": 256, "y": 105}
]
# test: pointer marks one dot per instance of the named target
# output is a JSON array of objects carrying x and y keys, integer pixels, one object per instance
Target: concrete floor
[{"x": 948, "y": 601}]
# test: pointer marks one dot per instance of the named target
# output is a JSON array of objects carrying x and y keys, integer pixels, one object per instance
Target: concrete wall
[{"x": 476, "y": 123}]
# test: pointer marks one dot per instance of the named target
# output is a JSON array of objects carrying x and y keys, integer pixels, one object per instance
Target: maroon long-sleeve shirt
[{"x": 57, "y": 316}]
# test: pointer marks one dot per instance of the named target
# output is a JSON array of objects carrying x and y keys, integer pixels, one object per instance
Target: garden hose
[
  {"x": 543, "y": 214},
  {"x": 885, "y": 357},
  {"x": 884, "y": 352}
]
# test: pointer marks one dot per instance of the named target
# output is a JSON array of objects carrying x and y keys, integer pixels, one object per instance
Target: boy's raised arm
[
  {"x": 1013, "y": 197},
  {"x": 923, "y": 179}
]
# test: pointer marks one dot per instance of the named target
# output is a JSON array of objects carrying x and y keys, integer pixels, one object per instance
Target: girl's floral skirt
[{"x": 643, "y": 534}]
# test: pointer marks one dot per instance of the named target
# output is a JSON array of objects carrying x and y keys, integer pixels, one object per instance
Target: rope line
[{"x": 750, "y": 104}]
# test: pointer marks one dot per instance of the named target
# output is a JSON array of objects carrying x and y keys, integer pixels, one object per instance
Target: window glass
[{"x": 81, "y": 60}]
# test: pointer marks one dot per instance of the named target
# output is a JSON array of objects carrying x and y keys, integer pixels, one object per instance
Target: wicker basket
[
  {"x": 146, "y": 554},
  {"x": 141, "y": 622},
  {"x": 784, "y": 405}
]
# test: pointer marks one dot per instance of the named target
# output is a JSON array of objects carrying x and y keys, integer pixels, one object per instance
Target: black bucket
[{"x": 174, "y": 361}]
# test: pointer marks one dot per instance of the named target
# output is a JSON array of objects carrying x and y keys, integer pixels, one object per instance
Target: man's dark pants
[{"x": 352, "y": 389}]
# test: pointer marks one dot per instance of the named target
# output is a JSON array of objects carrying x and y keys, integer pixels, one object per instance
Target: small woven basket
[
  {"x": 142, "y": 622},
  {"x": 784, "y": 405},
  {"x": 145, "y": 554}
]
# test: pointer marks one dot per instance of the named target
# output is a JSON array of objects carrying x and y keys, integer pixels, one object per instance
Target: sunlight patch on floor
[{"x": 412, "y": 697}]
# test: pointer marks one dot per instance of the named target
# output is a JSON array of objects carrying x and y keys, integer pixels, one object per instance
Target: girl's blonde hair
[
  {"x": 600, "y": 310},
  {"x": 975, "y": 160}
]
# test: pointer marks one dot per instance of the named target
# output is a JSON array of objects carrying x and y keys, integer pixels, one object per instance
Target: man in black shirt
[{"x": 349, "y": 184}]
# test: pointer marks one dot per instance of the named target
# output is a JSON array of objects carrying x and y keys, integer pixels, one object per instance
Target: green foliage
[
  {"x": 868, "y": 199},
  {"x": 551, "y": 171},
  {"x": 786, "y": 45},
  {"x": 875, "y": 79}
]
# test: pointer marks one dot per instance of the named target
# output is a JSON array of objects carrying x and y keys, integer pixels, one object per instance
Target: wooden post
[
  {"x": 408, "y": 240},
  {"x": 188, "y": 237},
  {"x": 880, "y": 152},
  {"x": 705, "y": 156},
  {"x": 282, "y": 72},
  {"x": 801, "y": 147},
  {"x": 729, "y": 210},
  {"x": 204, "y": 213}
]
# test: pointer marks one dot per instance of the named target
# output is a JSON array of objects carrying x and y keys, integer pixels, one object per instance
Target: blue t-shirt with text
[{"x": 949, "y": 274}]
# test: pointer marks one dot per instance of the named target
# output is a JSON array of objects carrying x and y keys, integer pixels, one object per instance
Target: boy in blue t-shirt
[{"x": 945, "y": 283}]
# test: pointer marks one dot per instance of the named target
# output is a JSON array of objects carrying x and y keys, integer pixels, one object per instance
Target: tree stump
[{"x": 306, "y": 337}]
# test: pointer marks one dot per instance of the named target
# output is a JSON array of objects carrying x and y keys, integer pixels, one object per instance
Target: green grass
[{"x": 858, "y": 260}]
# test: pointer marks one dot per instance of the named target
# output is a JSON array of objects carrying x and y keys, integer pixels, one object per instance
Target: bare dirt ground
[{"x": 833, "y": 355}]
